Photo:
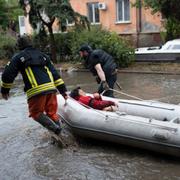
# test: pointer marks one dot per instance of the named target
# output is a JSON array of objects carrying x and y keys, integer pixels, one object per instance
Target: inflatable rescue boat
[{"x": 150, "y": 125}]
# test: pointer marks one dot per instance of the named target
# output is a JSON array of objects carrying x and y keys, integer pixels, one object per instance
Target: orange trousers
[{"x": 43, "y": 104}]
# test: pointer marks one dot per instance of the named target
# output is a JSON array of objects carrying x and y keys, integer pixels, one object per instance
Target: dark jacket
[
  {"x": 38, "y": 72},
  {"x": 99, "y": 56}
]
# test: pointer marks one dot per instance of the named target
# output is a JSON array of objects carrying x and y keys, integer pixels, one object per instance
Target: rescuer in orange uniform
[{"x": 41, "y": 82}]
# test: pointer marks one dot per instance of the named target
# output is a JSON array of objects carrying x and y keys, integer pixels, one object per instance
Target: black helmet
[
  {"x": 24, "y": 42},
  {"x": 85, "y": 47}
]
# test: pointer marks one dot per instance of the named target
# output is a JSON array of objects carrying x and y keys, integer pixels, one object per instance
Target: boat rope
[{"x": 120, "y": 92}]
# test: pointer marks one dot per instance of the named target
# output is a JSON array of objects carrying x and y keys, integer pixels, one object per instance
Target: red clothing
[
  {"x": 43, "y": 103},
  {"x": 95, "y": 103}
]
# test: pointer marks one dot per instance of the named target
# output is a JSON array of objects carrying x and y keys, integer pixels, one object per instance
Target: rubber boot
[
  {"x": 57, "y": 123},
  {"x": 48, "y": 123},
  {"x": 60, "y": 123}
]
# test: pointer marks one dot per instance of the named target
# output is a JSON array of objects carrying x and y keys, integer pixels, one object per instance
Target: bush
[
  {"x": 68, "y": 44},
  {"x": 110, "y": 42},
  {"x": 63, "y": 46},
  {"x": 172, "y": 28},
  {"x": 118, "y": 47},
  {"x": 7, "y": 46}
]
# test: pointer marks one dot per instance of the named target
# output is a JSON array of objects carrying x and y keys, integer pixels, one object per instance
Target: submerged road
[{"x": 26, "y": 151}]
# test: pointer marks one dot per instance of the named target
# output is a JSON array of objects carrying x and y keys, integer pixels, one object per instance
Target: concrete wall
[
  {"x": 144, "y": 39},
  {"x": 150, "y": 22}
]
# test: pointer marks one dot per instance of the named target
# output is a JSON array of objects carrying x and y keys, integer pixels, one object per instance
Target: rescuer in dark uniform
[
  {"x": 101, "y": 65},
  {"x": 41, "y": 82}
]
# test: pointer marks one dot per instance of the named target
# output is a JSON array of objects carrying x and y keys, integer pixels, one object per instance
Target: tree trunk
[{"x": 52, "y": 43}]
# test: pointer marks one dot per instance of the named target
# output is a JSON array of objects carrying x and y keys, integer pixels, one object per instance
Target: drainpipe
[{"x": 139, "y": 20}]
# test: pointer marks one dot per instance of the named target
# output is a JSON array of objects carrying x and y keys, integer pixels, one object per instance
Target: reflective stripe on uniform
[
  {"x": 6, "y": 85},
  {"x": 50, "y": 74},
  {"x": 31, "y": 77},
  {"x": 58, "y": 82},
  {"x": 41, "y": 88}
]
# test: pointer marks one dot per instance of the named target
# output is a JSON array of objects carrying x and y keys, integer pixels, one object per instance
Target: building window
[
  {"x": 93, "y": 13},
  {"x": 122, "y": 10},
  {"x": 22, "y": 28}
]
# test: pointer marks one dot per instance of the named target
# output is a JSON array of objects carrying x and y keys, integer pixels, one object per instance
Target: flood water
[{"x": 26, "y": 151}]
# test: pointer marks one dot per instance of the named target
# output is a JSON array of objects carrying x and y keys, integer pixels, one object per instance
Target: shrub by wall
[
  {"x": 112, "y": 43},
  {"x": 7, "y": 46},
  {"x": 68, "y": 44},
  {"x": 63, "y": 46}
]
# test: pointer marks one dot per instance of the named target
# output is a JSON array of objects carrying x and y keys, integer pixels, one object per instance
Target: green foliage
[
  {"x": 119, "y": 49},
  {"x": 153, "y": 4},
  {"x": 170, "y": 10},
  {"x": 60, "y": 9},
  {"x": 9, "y": 11},
  {"x": 102, "y": 39},
  {"x": 3, "y": 14},
  {"x": 173, "y": 28},
  {"x": 63, "y": 42},
  {"x": 69, "y": 44},
  {"x": 7, "y": 46},
  {"x": 40, "y": 40},
  {"x": 45, "y": 12},
  {"x": 163, "y": 36}
]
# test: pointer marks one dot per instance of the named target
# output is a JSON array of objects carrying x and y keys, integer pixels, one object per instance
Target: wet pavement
[{"x": 26, "y": 151}]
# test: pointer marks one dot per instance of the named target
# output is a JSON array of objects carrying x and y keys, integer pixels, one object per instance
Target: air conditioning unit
[{"x": 102, "y": 6}]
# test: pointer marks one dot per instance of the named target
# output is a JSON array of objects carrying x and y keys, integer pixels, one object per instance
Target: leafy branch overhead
[
  {"x": 9, "y": 11},
  {"x": 170, "y": 12},
  {"x": 169, "y": 8},
  {"x": 45, "y": 12}
]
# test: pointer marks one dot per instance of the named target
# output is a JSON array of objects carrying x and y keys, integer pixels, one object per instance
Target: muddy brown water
[{"x": 26, "y": 151}]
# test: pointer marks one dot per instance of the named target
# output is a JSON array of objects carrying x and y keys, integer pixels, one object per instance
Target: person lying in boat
[{"x": 95, "y": 102}]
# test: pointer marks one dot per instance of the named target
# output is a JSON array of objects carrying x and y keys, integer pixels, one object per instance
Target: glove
[
  {"x": 98, "y": 80},
  {"x": 65, "y": 96},
  {"x": 104, "y": 85}
]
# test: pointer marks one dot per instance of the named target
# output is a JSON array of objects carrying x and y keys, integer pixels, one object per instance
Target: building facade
[{"x": 138, "y": 24}]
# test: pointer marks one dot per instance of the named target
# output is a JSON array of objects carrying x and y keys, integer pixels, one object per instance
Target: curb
[
  {"x": 129, "y": 71},
  {"x": 148, "y": 72},
  {"x": 119, "y": 71}
]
